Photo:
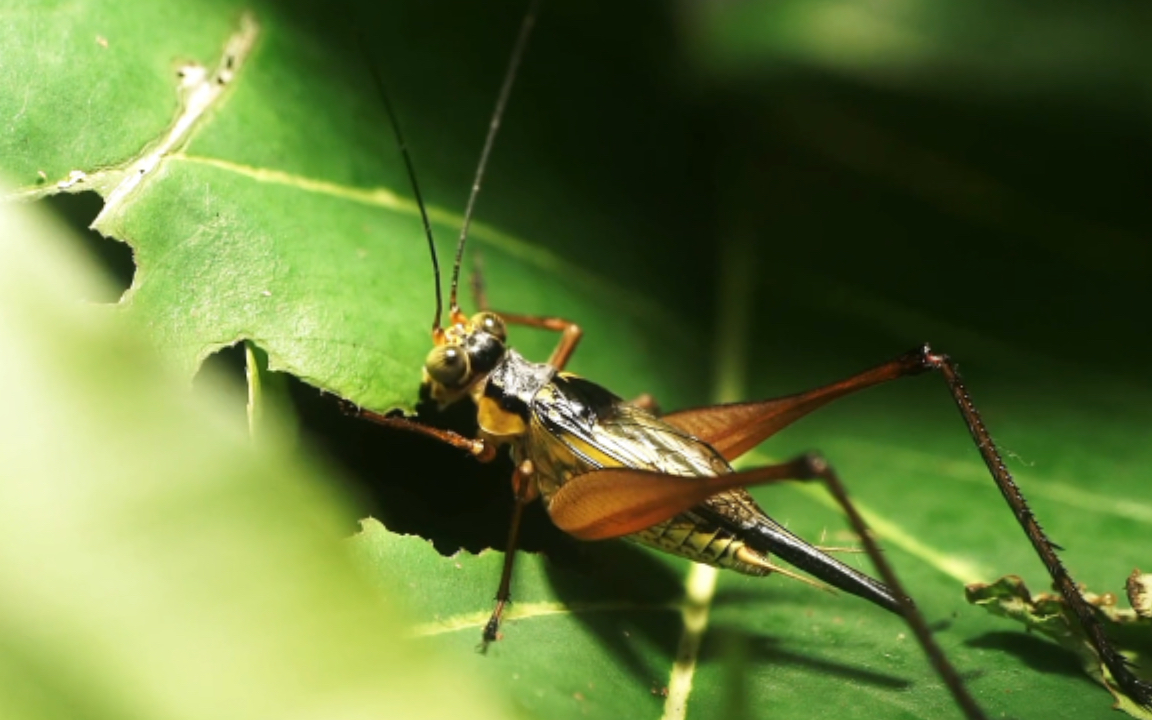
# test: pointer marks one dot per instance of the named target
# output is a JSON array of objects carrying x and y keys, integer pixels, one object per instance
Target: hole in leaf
[
  {"x": 415, "y": 485},
  {"x": 222, "y": 374},
  {"x": 78, "y": 210},
  {"x": 418, "y": 486}
]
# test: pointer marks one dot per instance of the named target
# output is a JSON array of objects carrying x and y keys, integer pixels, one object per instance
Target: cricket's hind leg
[
  {"x": 735, "y": 428},
  {"x": 614, "y": 502}
]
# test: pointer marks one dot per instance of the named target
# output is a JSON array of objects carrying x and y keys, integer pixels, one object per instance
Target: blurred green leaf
[
  {"x": 984, "y": 47},
  {"x": 152, "y": 563}
]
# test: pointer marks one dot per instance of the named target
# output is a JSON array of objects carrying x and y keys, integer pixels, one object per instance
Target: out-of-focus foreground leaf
[{"x": 152, "y": 563}]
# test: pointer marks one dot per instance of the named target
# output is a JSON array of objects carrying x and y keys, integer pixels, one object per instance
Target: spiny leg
[
  {"x": 820, "y": 469},
  {"x": 614, "y": 502},
  {"x": 1117, "y": 664},
  {"x": 735, "y": 428},
  {"x": 524, "y": 491},
  {"x": 523, "y": 488}
]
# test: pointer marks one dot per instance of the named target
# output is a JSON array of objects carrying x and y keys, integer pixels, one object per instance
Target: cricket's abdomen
[
  {"x": 684, "y": 536},
  {"x": 577, "y": 427}
]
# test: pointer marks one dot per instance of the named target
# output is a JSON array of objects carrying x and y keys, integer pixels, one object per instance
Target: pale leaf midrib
[
  {"x": 734, "y": 304},
  {"x": 596, "y": 285}
]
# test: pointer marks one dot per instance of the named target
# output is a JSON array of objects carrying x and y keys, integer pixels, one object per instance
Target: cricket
[{"x": 606, "y": 467}]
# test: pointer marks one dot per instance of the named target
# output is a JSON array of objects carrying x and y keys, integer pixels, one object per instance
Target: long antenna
[
  {"x": 412, "y": 179},
  {"x": 493, "y": 127}
]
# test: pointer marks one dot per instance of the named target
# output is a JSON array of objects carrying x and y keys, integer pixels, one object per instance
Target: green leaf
[
  {"x": 261, "y": 191},
  {"x": 574, "y": 643},
  {"x": 1048, "y": 614},
  {"x": 730, "y": 213},
  {"x": 152, "y": 562}
]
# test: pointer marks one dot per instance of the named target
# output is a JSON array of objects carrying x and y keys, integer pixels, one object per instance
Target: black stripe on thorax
[{"x": 507, "y": 402}]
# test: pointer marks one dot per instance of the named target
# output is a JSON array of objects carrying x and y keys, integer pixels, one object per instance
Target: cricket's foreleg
[
  {"x": 477, "y": 448},
  {"x": 1135, "y": 688},
  {"x": 524, "y": 491},
  {"x": 570, "y": 334}
]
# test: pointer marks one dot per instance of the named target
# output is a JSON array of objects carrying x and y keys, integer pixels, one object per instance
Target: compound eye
[
  {"x": 492, "y": 324},
  {"x": 447, "y": 365}
]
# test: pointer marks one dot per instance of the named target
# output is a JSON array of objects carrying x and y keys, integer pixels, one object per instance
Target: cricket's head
[{"x": 466, "y": 351}]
